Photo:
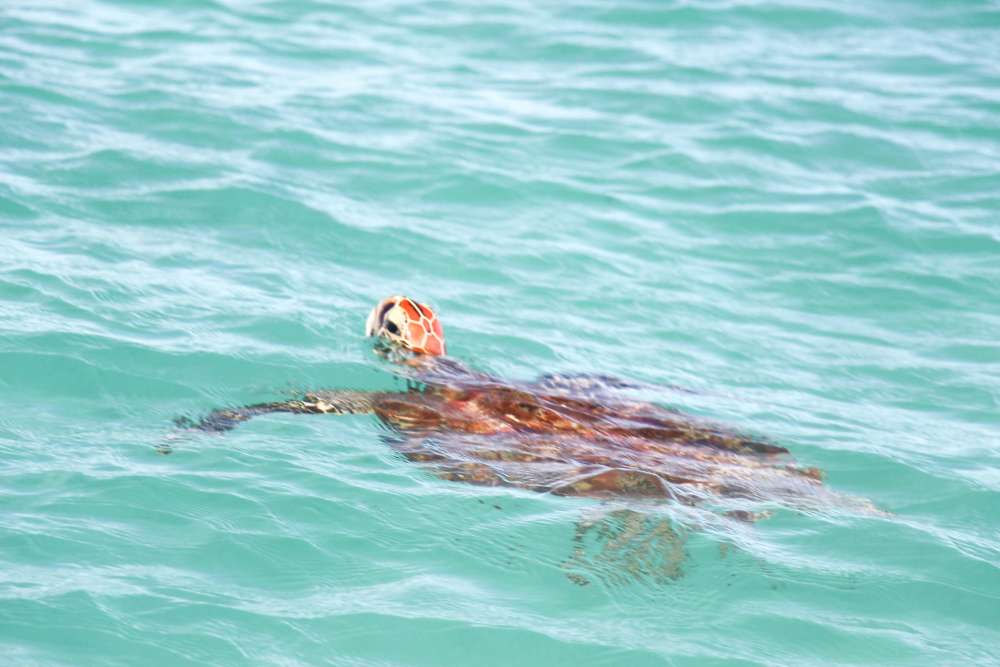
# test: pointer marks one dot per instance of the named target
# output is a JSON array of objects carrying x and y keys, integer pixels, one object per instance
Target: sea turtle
[{"x": 564, "y": 435}]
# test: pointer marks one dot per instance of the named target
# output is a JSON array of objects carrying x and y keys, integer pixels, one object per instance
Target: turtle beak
[{"x": 373, "y": 324}]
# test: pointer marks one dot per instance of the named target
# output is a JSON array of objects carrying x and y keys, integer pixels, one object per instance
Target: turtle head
[{"x": 405, "y": 323}]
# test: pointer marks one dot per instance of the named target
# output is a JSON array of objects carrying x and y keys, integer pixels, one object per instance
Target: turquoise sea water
[{"x": 789, "y": 209}]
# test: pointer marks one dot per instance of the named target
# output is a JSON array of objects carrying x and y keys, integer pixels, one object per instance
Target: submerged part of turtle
[{"x": 571, "y": 436}]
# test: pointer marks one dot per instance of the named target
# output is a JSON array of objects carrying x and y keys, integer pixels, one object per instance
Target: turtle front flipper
[
  {"x": 582, "y": 385},
  {"x": 623, "y": 546},
  {"x": 320, "y": 402}
]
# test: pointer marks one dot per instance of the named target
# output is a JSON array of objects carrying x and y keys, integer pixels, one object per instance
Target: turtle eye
[{"x": 391, "y": 327}]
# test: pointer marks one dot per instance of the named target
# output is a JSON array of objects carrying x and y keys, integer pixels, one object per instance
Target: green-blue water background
[{"x": 790, "y": 208}]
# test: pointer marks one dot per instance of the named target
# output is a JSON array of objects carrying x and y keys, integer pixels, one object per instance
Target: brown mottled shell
[{"x": 503, "y": 435}]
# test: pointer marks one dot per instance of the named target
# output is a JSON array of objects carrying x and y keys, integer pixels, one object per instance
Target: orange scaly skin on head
[{"x": 411, "y": 325}]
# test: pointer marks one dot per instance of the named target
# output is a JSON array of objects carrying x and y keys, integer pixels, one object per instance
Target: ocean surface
[{"x": 780, "y": 216}]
